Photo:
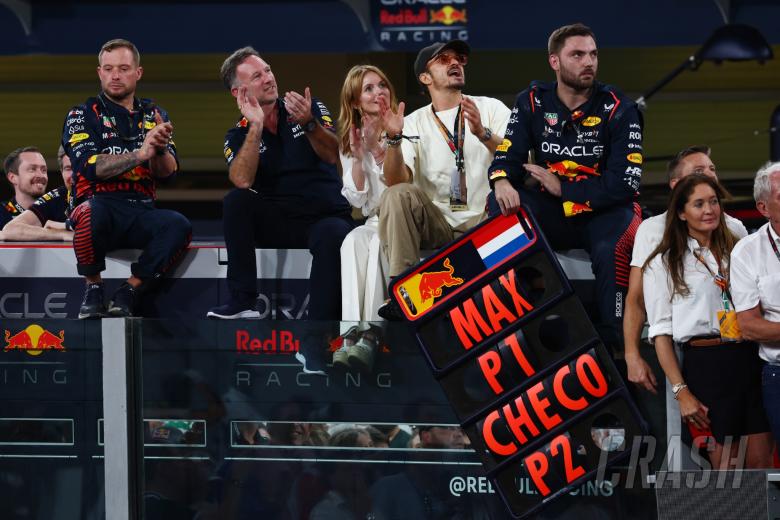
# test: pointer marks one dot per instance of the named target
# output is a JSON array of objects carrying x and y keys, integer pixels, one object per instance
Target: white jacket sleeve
[{"x": 367, "y": 199}]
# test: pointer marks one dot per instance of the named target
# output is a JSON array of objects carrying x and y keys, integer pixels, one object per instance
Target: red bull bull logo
[
  {"x": 572, "y": 171},
  {"x": 448, "y": 15},
  {"x": 571, "y": 209},
  {"x": 137, "y": 173},
  {"x": 420, "y": 291},
  {"x": 34, "y": 340}
]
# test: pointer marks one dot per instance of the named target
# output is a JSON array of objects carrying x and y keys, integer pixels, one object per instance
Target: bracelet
[
  {"x": 395, "y": 140},
  {"x": 676, "y": 389}
]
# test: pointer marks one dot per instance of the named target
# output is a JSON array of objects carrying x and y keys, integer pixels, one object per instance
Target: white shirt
[
  {"x": 683, "y": 317},
  {"x": 367, "y": 199},
  {"x": 651, "y": 231},
  {"x": 432, "y": 162},
  {"x": 755, "y": 279}
]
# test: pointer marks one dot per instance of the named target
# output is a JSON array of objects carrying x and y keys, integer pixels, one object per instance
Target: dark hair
[
  {"x": 228, "y": 69},
  {"x": 673, "y": 168},
  {"x": 348, "y": 437},
  {"x": 559, "y": 36},
  {"x": 674, "y": 243},
  {"x": 12, "y": 160},
  {"x": 119, "y": 43}
]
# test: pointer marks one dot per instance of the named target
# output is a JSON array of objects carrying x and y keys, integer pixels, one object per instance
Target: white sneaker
[
  {"x": 340, "y": 356},
  {"x": 362, "y": 353}
]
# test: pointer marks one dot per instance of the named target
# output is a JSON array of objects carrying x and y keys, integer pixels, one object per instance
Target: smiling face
[
  {"x": 445, "y": 71},
  {"x": 702, "y": 211},
  {"x": 373, "y": 89},
  {"x": 577, "y": 63},
  {"x": 32, "y": 175},
  {"x": 255, "y": 74},
  {"x": 119, "y": 73}
]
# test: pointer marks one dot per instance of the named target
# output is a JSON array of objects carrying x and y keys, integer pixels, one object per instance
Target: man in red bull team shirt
[
  {"x": 586, "y": 139},
  {"x": 120, "y": 147}
]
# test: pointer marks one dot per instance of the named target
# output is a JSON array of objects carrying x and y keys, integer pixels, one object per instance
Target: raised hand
[
  {"x": 250, "y": 107},
  {"x": 299, "y": 107},
  {"x": 392, "y": 122},
  {"x": 355, "y": 143},
  {"x": 372, "y": 130},
  {"x": 472, "y": 116},
  {"x": 156, "y": 139}
]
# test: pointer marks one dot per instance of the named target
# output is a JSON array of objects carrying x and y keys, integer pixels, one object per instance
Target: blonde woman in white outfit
[{"x": 366, "y": 94}]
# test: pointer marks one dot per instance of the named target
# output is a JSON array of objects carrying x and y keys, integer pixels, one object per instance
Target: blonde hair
[{"x": 349, "y": 113}]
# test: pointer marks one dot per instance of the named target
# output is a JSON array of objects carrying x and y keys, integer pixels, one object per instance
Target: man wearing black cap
[
  {"x": 583, "y": 182},
  {"x": 436, "y": 161}
]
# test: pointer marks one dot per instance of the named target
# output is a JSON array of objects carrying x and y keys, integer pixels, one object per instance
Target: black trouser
[
  {"x": 112, "y": 221},
  {"x": 251, "y": 221},
  {"x": 607, "y": 235}
]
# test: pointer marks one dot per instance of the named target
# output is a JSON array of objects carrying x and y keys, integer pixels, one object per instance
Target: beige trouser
[{"x": 408, "y": 220}]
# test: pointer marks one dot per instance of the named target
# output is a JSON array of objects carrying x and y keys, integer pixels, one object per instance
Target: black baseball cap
[{"x": 431, "y": 51}]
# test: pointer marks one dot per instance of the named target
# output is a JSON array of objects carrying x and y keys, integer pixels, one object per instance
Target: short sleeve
[
  {"x": 658, "y": 301},
  {"x": 744, "y": 283}
]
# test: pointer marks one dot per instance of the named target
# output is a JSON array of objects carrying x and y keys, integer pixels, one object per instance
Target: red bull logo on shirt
[
  {"x": 419, "y": 292},
  {"x": 34, "y": 340},
  {"x": 571, "y": 170},
  {"x": 571, "y": 209}
]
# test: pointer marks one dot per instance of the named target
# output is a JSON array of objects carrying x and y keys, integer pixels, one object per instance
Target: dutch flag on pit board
[{"x": 499, "y": 239}]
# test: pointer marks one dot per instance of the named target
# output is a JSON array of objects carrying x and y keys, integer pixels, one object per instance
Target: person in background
[
  {"x": 26, "y": 172},
  {"x": 755, "y": 285},
  {"x": 46, "y": 218},
  {"x": 688, "y": 301},
  {"x": 694, "y": 159}
]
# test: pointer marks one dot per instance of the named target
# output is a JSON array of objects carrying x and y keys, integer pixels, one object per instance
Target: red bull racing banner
[
  {"x": 413, "y": 24},
  {"x": 522, "y": 365}
]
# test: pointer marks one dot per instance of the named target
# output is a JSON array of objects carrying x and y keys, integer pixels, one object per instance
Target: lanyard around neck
[
  {"x": 455, "y": 142},
  {"x": 772, "y": 242},
  {"x": 721, "y": 281}
]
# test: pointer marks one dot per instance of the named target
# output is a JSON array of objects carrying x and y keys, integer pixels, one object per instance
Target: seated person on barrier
[
  {"x": 755, "y": 285},
  {"x": 26, "y": 171},
  {"x": 583, "y": 183},
  {"x": 366, "y": 96},
  {"x": 695, "y": 159},
  {"x": 120, "y": 146},
  {"x": 46, "y": 218},
  {"x": 688, "y": 301},
  {"x": 436, "y": 161},
  {"x": 281, "y": 157}
]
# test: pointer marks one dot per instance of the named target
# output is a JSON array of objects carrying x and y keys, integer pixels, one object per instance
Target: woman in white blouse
[
  {"x": 688, "y": 302},
  {"x": 366, "y": 95}
]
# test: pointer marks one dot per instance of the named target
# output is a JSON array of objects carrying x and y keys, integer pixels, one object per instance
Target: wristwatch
[
  {"x": 677, "y": 388},
  {"x": 310, "y": 126},
  {"x": 487, "y": 135}
]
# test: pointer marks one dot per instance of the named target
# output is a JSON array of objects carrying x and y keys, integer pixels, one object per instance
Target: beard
[{"x": 575, "y": 82}]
